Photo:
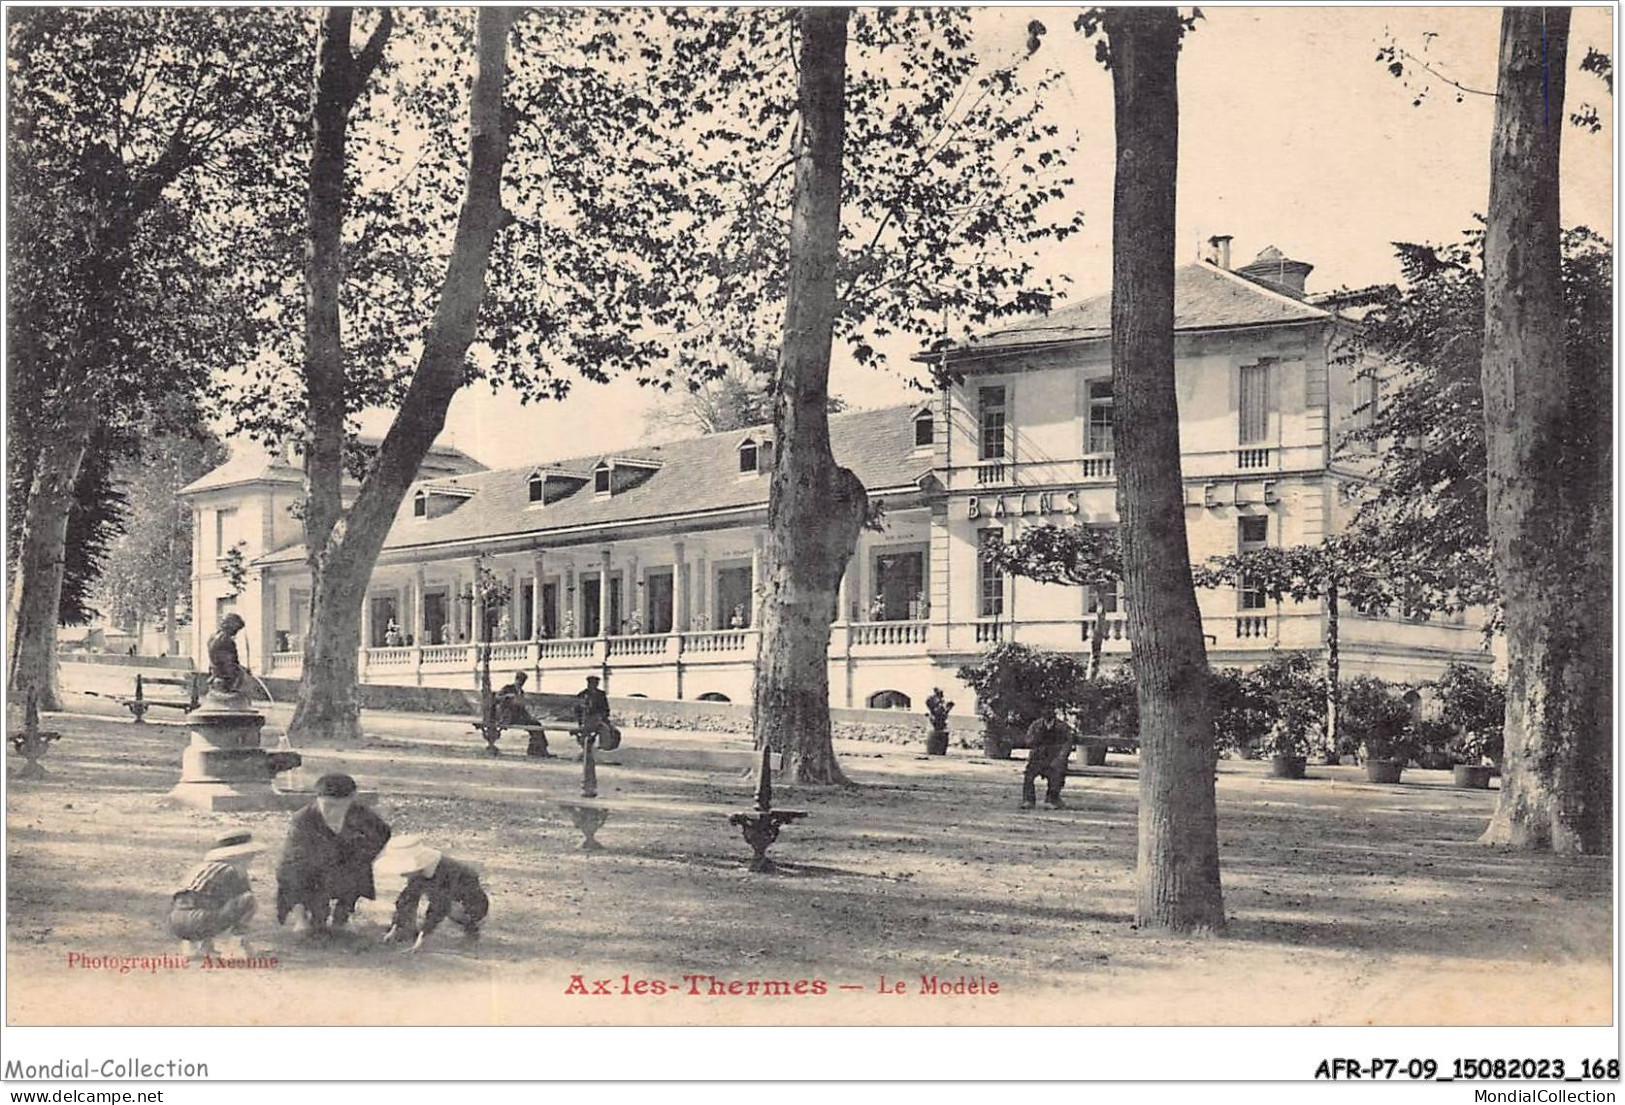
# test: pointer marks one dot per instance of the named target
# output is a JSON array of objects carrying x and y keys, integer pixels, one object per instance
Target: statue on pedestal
[{"x": 226, "y": 674}]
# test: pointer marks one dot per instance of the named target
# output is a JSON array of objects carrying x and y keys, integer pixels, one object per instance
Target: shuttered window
[{"x": 1255, "y": 403}]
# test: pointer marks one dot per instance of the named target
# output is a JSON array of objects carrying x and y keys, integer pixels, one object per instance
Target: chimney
[
  {"x": 1220, "y": 244},
  {"x": 1278, "y": 272}
]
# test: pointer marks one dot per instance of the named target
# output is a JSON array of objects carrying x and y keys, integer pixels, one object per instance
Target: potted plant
[
  {"x": 1473, "y": 704},
  {"x": 1288, "y": 750},
  {"x": 1106, "y": 708},
  {"x": 1382, "y": 722},
  {"x": 1014, "y": 685},
  {"x": 938, "y": 706}
]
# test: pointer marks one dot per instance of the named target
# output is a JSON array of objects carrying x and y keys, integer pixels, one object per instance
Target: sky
[{"x": 1291, "y": 134}]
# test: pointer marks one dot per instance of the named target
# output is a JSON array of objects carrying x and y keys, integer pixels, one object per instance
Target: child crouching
[
  {"x": 216, "y": 897},
  {"x": 451, "y": 886}
]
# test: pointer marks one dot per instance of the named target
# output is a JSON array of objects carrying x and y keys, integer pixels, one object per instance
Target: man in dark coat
[
  {"x": 1051, "y": 740},
  {"x": 327, "y": 859},
  {"x": 592, "y": 716},
  {"x": 508, "y": 708}
]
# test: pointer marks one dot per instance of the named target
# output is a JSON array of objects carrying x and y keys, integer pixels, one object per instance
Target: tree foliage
[
  {"x": 1422, "y": 520},
  {"x": 648, "y": 176}
]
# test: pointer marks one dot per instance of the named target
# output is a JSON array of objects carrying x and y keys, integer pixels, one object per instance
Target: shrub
[
  {"x": 1437, "y": 744},
  {"x": 1241, "y": 716},
  {"x": 1015, "y": 684},
  {"x": 1378, "y": 719},
  {"x": 1109, "y": 705},
  {"x": 1291, "y": 692},
  {"x": 1473, "y": 703}
]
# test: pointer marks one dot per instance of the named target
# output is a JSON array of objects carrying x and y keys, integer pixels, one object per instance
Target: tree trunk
[
  {"x": 1178, "y": 861},
  {"x": 815, "y": 508},
  {"x": 36, "y": 589},
  {"x": 1334, "y": 668},
  {"x": 1549, "y": 459},
  {"x": 327, "y": 699},
  {"x": 1097, "y": 637}
]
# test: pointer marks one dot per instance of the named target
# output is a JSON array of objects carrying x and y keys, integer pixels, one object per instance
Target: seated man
[
  {"x": 508, "y": 708},
  {"x": 592, "y": 717},
  {"x": 327, "y": 860}
]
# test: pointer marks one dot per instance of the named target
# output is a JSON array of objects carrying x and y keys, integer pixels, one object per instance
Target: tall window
[
  {"x": 992, "y": 413},
  {"x": 992, "y": 579},
  {"x": 1099, "y": 439},
  {"x": 1367, "y": 393},
  {"x": 1255, "y": 403},
  {"x": 1251, "y": 533},
  {"x": 225, "y": 530},
  {"x": 600, "y": 480},
  {"x": 535, "y": 486},
  {"x": 747, "y": 455}
]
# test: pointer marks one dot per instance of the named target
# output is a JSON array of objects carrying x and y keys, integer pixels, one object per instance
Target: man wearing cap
[
  {"x": 592, "y": 716},
  {"x": 508, "y": 708},
  {"x": 327, "y": 860},
  {"x": 216, "y": 896},
  {"x": 452, "y": 888}
]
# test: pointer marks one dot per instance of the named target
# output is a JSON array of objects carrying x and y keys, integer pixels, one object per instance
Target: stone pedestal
[{"x": 224, "y": 769}]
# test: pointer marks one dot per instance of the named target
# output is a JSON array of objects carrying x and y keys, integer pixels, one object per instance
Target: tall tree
[
  {"x": 343, "y": 543},
  {"x": 1177, "y": 883},
  {"x": 147, "y": 576},
  {"x": 815, "y": 508},
  {"x": 127, "y": 128},
  {"x": 1548, "y": 437},
  {"x": 1423, "y": 517}
]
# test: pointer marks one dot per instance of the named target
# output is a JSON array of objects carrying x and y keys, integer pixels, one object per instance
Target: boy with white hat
[
  {"x": 451, "y": 886},
  {"x": 216, "y": 897}
]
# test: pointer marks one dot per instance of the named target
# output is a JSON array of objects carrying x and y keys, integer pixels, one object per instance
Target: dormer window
[
  {"x": 600, "y": 479},
  {"x": 535, "y": 486},
  {"x": 925, "y": 429},
  {"x": 748, "y": 454},
  {"x": 420, "y": 505}
]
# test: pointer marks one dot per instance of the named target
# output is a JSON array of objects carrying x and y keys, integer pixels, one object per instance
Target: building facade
[{"x": 640, "y": 566}]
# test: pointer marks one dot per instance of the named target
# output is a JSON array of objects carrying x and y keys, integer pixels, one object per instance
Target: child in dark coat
[
  {"x": 327, "y": 860},
  {"x": 451, "y": 887}
]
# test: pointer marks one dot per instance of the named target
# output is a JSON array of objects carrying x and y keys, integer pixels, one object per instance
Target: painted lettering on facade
[{"x": 1024, "y": 505}]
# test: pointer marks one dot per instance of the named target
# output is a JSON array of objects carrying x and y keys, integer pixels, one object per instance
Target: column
[
  {"x": 843, "y": 608},
  {"x": 267, "y": 622},
  {"x": 476, "y": 607},
  {"x": 758, "y": 588},
  {"x": 702, "y": 589},
  {"x": 571, "y": 586},
  {"x": 419, "y": 626},
  {"x": 513, "y": 604},
  {"x": 860, "y": 580},
  {"x": 634, "y": 583},
  {"x": 603, "y": 593},
  {"x": 536, "y": 622},
  {"x": 679, "y": 589}
]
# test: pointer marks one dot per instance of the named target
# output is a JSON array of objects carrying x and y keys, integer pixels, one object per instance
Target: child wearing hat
[
  {"x": 216, "y": 897},
  {"x": 451, "y": 886},
  {"x": 327, "y": 860}
]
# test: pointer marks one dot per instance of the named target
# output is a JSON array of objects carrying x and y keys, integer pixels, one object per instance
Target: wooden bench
[{"x": 139, "y": 704}]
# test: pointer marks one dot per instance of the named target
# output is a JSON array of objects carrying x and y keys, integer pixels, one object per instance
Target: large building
[{"x": 640, "y": 565}]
